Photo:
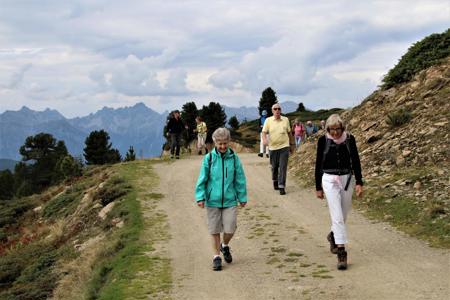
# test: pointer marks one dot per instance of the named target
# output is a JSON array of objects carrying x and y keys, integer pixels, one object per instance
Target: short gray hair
[
  {"x": 221, "y": 134},
  {"x": 334, "y": 120}
]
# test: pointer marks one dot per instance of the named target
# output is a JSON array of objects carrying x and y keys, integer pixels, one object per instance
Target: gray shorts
[{"x": 221, "y": 219}]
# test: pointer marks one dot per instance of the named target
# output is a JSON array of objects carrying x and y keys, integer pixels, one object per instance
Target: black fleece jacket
[
  {"x": 175, "y": 125},
  {"x": 337, "y": 158}
]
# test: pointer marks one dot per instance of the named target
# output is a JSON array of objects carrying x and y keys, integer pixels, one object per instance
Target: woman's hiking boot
[
  {"x": 226, "y": 253},
  {"x": 342, "y": 259},
  {"x": 333, "y": 246},
  {"x": 217, "y": 263}
]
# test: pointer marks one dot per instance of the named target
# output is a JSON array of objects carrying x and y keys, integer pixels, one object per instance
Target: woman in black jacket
[{"x": 337, "y": 161}]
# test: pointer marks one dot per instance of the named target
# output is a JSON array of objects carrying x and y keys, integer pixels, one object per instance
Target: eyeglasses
[
  {"x": 335, "y": 129},
  {"x": 276, "y": 108}
]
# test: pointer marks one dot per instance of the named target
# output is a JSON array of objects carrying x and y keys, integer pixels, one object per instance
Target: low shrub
[
  {"x": 61, "y": 206},
  {"x": 398, "y": 118}
]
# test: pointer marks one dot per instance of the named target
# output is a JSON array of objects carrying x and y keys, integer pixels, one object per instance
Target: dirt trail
[{"x": 280, "y": 251}]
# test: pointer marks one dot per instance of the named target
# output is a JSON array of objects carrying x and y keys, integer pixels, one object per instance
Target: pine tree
[
  {"x": 214, "y": 116},
  {"x": 98, "y": 149},
  {"x": 6, "y": 185},
  {"x": 44, "y": 152},
  {"x": 301, "y": 107},
  {"x": 188, "y": 114},
  {"x": 268, "y": 98},
  {"x": 130, "y": 156},
  {"x": 69, "y": 167},
  {"x": 113, "y": 156},
  {"x": 234, "y": 123}
]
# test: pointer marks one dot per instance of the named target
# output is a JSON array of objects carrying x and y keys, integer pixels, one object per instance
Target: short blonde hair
[
  {"x": 334, "y": 120},
  {"x": 221, "y": 134}
]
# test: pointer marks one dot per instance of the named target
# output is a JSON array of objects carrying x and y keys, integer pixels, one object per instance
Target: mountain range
[{"x": 138, "y": 126}]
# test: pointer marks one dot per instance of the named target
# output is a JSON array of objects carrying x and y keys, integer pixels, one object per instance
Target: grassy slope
[
  {"x": 131, "y": 268},
  {"x": 66, "y": 251}
]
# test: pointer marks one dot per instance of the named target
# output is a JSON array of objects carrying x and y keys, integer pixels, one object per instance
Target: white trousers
[
  {"x": 263, "y": 148},
  {"x": 201, "y": 138},
  {"x": 339, "y": 203}
]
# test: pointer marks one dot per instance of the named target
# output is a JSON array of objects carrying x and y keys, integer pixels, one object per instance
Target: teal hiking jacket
[{"x": 221, "y": 182}]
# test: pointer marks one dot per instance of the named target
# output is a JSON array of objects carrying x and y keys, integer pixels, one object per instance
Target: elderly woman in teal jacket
[{"x": 221, "y": 186}]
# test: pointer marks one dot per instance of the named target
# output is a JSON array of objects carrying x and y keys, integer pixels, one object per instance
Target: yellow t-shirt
[
  {"x": 201, "y": 127},
  {"x": 278, "y": 131}
]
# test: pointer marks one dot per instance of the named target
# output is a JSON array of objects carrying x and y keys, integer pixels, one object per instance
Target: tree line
[
  {"x": 46, "y": 161},
  {"x": 215, "y": 117}
]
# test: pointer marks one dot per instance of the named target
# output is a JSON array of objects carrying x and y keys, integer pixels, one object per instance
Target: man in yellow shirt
[
  {"x": 201, "y": 135},
  {"x": 280, "y": 144}
]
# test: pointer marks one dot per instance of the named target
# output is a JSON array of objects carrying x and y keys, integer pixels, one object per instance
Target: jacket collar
[{"x": 228, "y": 153}]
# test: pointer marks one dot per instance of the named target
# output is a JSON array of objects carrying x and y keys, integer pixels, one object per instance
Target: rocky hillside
[{"x": 408, "y": 161}]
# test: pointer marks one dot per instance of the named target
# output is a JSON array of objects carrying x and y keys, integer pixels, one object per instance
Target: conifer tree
[
  {"x": 268, "y": 98},
  {"x": 188, "y": 114},
  {"x": 130, "y": 155},
  {"x": 214, "y": 116},
  {"x": 98, "y": 149},
  {"x": 234, "y": 123}
]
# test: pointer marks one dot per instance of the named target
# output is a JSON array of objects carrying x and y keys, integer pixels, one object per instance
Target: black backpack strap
[{"x": 325, "y": 150}]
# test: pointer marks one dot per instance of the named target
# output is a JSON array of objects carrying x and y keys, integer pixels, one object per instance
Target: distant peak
[{"x": 140, "y": 104}]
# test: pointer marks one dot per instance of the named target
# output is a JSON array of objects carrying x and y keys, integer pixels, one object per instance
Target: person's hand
[
  {"x": 359, "y": 190},
  {"x": 242, "y": 204},
  {"x": 201, "y": 204},
  {"x": 319, "y": 194}
]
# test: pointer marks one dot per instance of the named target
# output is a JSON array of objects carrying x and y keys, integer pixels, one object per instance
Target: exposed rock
[
  {"x": 118, "y": 222},
  {"x": 406, "y": 152},
  {"x": 400, "y": 161},
  {"x": 417, "y": 185},
  {"x": 367, "y": 126},
  {"x": 372, "y": 136},
  {"x": 441, "y": 124},
  {"x": 105, "y": 210},
  {"x": 37, "y": 209},
  {"x": 417, "y": 147}
]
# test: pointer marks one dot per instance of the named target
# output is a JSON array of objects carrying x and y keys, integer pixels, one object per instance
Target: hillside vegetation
[
  {"x": 428, "y": 52},
  {"x": 82, "y": 239},
  {"x": 402, "y": 134}
]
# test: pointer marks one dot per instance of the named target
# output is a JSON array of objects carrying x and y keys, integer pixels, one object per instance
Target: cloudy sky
[{"x": 79, "y": 56}]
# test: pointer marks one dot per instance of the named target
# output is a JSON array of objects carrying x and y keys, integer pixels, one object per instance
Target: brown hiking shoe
[
  {"x": 342, "y": 259},
  {"x": 333, "y": 246}
]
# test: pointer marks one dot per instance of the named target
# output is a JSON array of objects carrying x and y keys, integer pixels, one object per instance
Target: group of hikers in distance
[{"x": 221, "y": 184}]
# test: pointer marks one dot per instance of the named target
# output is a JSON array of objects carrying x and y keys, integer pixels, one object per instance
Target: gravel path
[{"x": 280, "y": 250}]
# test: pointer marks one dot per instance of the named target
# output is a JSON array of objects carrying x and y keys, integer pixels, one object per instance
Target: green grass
[
  {"x": 129, "y": 269},
  {"x": 27, "y": 272},
  {"x": 427, "y": 219}
]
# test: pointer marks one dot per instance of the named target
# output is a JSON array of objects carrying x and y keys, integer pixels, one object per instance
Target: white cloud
[{"x": 78, "y": 56}]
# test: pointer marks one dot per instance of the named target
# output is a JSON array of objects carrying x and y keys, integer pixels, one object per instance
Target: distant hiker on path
[
  {"x": 221, "y": 186},
  {"x": 280, "y": 144},
  {"x": 336, "y": 161},
  {"x": 262, "y": 148},
  {"x": 201, "y": 135},
  {"x": 175, "y": 127},
  {"x": 310, "y": 128},
  {"x": 299, "y": 132}
]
